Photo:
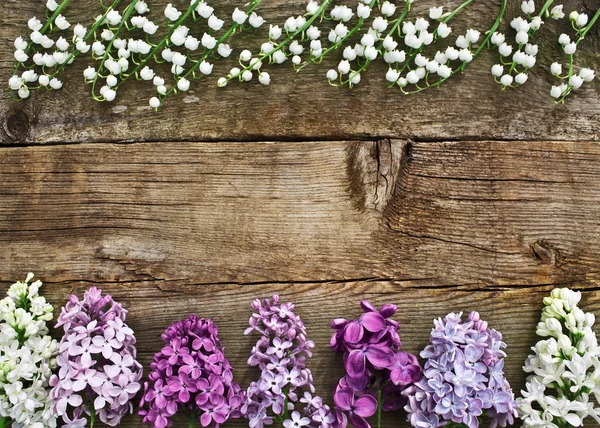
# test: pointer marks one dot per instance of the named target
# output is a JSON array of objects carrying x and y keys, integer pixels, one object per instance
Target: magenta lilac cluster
[
  {"x": 284, "y": 392},
  {"x": 191, "y": 380},
  {"x": 98, "y": 373},
  {"x": 463, "y": 377},
  {"x": 377, "y": 372}
]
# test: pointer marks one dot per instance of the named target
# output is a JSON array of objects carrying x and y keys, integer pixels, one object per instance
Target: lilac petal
[
  {"x": 184, "y": 395},
  {"x": 358, "y": 421},
  {"x": 353, "y": 332},
  {"x": 357, "y": 383},
  {"x": 380, "y": 356},
  {"x": 388, "y": 310},
  {"x": 365, "y": 406},
  {"x": 343, "y": 399},
  {"x": 372, "y": 321},
  {"x": 367, "y": 306},
  {"x": 356, "y": 363}
]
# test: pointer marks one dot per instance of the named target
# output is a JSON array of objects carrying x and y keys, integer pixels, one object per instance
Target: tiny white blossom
[
  {"x": 570, "y": 48},
  {"x": 436, "y": 12},
  {"x": 34, "y": 24},
  {"x": 521, "y": 78},
  {"x": 443, "y": 30},
  {"x": 215, "y": 23},
  {"x": 239, "y": 16},
  {"x": 208, "y": 41},
  {"x": 224, "y": 50},
  {"x": 183, "y": 84},
  {"x": 497, "y": 70},
  {"x": 506, "y": 80},
  {"x": 61, "y": 22},
  {"x": 388, "y": 8},
  {"x": 206, "y": 67},
  {"x": 557, "y": 12},
  {"x": 264, "y": 78},
  {"x": 564, "y": 39},
  {"x": 89, "y": 73},
  {"x": 332, "y": 75},
  {"x": 154, "y": 102},
  {"x": 171, "y": 13},
  {"x": 274, "y": 32},
  {"x": 51, "y": 5},
  {"x": 556, "y": 69},
  {"x": 344, "y": 67},
  {"x": 255, "y": 20}
]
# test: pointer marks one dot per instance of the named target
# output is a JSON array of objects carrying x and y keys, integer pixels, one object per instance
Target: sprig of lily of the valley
[{"x": 122, "y": 44}]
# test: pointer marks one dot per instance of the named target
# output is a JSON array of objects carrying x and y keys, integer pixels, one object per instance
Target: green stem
[
  {"x": 192, "y": 421},
  {"x": 477, "y": 52},
  {"x": 288, "y": 39},
  {"x": 128, "y": 11},
  {"x": 92, "y": 416},
  {"x": 156, "y": 48},
  {"x": 458, "y": 9},
  {"x": 335, "y": 46}
]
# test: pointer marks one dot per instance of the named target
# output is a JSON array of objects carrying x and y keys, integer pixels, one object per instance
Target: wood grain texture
[
  {"x": 152, "y": 309},
  {"x": 478, "y": 214},
  {"x": 304, "y": 106}
]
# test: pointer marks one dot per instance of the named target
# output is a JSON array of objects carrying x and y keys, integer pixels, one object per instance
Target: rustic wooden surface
[{"x": 463, "y": 198}]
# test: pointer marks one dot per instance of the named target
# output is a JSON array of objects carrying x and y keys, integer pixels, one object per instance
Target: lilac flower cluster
[
  {"x": 98, "y": 372},
  {"x": 377, "y": 372},
  {"x": 463, "y": 377},
  {"x": 285, "y": 381},
  {"x": 191, "y": 376}
]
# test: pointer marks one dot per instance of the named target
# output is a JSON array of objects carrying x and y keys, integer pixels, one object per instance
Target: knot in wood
[{"x": 16, "y": 125}]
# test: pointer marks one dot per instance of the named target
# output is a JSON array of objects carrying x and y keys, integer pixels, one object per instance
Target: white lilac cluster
[
  {"x": 572, "y": 80},
  {"x": 565, "y": 370},
  {"x": 46, "y": 50},
  {"x": 513, "y": 72},
  {"x": 27, "y": 357}
]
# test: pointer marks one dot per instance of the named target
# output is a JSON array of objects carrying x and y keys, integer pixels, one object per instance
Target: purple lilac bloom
[
  {"x": 190, "y": 376},
  {"x": 280, "y": 353},
  {"x": 463, "y": 377},
  {"x": 375, "y": 366},
  {"x": 98, "y": 373}
]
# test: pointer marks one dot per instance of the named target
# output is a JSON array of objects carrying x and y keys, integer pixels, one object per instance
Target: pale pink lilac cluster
[
  {"x": 285, "y": 392},
  {"x": 191, "y": 379},
  {"x": 377, "y": 372},
  {"x": 463, "y": 377},
  {"x": 98, "y": 372}
]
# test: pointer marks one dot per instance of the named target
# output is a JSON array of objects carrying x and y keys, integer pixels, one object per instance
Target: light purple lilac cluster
[
  {"x": 463, "y": 377},
  {"x": 98, "y": 372},
  {"x": 191, "y": 378},
  {"x": 285, "y": 381},
  {"x": 377, "y": 372}
]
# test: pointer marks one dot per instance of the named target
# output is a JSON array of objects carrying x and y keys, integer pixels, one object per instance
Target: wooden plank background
[{"x": 463, "y": 198}]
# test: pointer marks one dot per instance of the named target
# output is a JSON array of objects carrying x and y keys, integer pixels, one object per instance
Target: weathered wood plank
[
  {"x": 420, "y": 214},
  {"x": 152, "y": 308},
  {"x": 304, "y": 106}
]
